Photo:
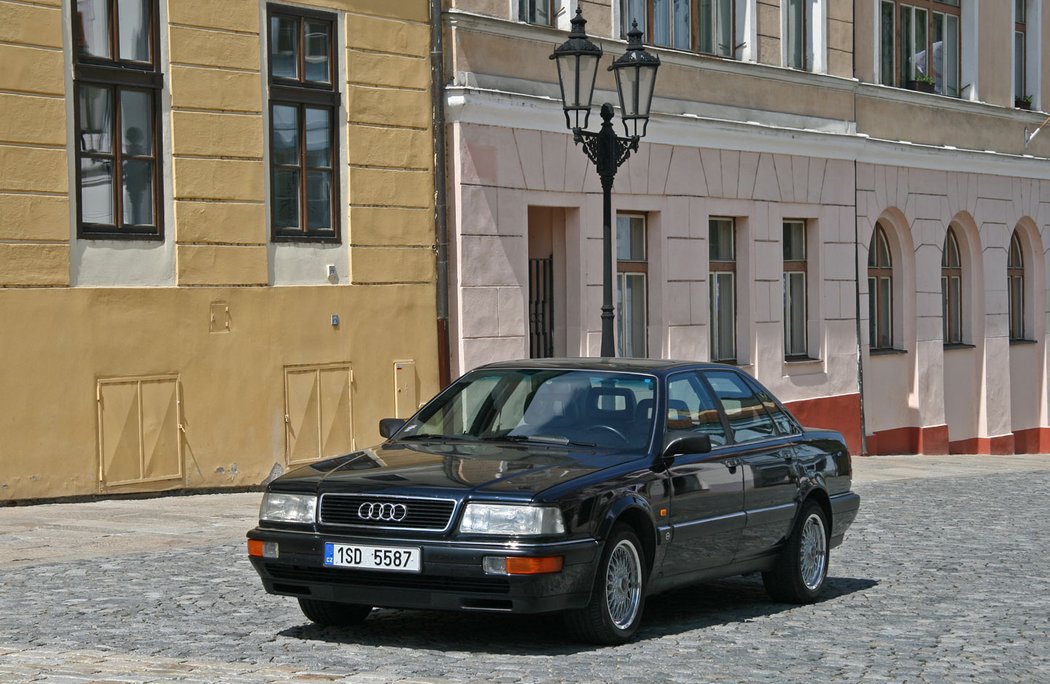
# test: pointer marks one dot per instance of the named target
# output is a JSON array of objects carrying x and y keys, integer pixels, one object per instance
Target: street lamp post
[{"x": 635, "y": 71}]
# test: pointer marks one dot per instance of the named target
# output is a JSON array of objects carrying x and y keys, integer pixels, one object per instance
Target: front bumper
[{"x": 451, "y": 578}]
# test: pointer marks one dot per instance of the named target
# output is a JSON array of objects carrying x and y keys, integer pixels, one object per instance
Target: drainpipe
[
  {"x": 856, "y": 279},
  {"x": 437, "y": 99},
  {"x": 856, "y": 317}
]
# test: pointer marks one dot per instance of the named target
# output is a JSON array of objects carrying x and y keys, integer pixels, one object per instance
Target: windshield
[{"x": 558, "y": 406}]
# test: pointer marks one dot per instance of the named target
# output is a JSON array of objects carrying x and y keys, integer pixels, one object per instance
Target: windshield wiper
[
  {"x": 447, "y": 438},
  {"x": 543, "y": 439}
]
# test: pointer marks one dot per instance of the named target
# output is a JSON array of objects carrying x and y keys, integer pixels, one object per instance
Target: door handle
[{"x": 731, "y": 463}]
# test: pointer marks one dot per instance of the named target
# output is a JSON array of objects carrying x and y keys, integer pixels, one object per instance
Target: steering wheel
[{"x": 608, "y": 428}]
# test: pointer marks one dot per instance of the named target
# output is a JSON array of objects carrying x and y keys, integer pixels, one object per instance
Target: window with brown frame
[
  {"x": 722, "y": 267},
  {"x": 706, "y": 26},
  {"x": 795, "y": 290},
  {"x": 880, "y": 291},
  {"x": 632, "y": 280},
  {"x": 116, "y": 84},
  {"x": 1015, "y": 288},
  {"x": 304, "y": 108},
  {"x": 919, "y": 45},
  {"x": 951, "y": 290}
]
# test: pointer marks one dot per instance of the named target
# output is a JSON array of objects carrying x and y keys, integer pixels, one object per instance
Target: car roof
[{"x": 655, "y": 366}]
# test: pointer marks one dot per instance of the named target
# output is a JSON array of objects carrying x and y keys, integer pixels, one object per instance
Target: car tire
[
  {"x": 802, "y": 568},
  {"x": 618, "y": 596},
  {"x": 332, "y": 614}
]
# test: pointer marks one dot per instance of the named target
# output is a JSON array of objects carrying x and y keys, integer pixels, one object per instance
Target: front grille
[
  {"x": 476, "y": 585},
  {"x": 419, "y": 514}
]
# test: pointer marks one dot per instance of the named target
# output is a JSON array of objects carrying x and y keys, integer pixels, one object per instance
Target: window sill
[
  {"x": 303, "y": 238},
  {"x": 886, "y": 352},
  {"x": 958, "y": 345},
  {"x": 1019, "y": 342},
  {"x": 120, "y": 237},
  {"x": 799, "y": 366},
  {"x": 800, "y": 360}
]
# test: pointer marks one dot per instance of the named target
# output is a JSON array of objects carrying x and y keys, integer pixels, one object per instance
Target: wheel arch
[
  {"x": 635, "y": 512},
  {"x": 820, "y": 496}
]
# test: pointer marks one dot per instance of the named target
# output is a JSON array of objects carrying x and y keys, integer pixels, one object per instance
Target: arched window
[
  {"x": 1015, "y": 278},
  {"x": 880, "y": 291},
  {"x": 951, "y": 290}
]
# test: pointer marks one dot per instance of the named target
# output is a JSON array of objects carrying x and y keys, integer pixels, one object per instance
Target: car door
[
  {"x": 767, "y": 458},
  {"x": 706, "y": 490}
]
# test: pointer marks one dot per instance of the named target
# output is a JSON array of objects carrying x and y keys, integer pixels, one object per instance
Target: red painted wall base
[
  {"x": 995, "y": 446},
  {"x": 910, "y": 440},
  {"x": 1032, "y": 441},
  {"x": 840, "y": 413}
]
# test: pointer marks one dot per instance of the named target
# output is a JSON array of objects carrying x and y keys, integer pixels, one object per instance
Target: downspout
[
  {"x": 856, "y": 274},
  {"x": 856, "y": 317},
  {"x": 437, "y": 99}
]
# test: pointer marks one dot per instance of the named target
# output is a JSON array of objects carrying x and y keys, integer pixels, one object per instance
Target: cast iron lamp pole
[{"x": 577, "y": 60}]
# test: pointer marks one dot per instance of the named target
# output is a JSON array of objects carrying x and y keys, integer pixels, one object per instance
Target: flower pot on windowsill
[
  {"x": 921, "y": 86},
  {"x": 1022, "y": 103}
]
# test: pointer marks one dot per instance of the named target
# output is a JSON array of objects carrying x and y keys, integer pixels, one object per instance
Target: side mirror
[
  {"x": 388, "y": 426},
  {"x": 689, "y": 444}
]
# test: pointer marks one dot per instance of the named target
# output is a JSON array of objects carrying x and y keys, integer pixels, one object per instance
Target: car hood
[{"x": 401, "y": 467}]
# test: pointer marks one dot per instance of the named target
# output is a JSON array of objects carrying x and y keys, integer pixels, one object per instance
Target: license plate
[{"x": 397, "y": 558}]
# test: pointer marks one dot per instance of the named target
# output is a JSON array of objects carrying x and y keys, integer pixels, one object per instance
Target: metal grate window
[{"x": 541, "y": 308}]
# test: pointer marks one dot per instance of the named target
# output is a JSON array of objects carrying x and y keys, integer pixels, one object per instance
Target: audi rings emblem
[{"x": 383, "y": 512}]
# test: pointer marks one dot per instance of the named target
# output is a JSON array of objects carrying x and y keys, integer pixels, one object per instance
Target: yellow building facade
[{"x": 216, "y": 238}]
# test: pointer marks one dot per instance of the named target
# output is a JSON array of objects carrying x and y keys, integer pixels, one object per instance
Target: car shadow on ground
[{"x": 737, "y": 599}]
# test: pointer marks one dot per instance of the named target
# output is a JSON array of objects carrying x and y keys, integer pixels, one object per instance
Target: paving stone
[{"x": 943, "y": 577}]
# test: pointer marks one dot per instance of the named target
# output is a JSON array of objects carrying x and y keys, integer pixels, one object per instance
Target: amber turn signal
[
  {"x": 258, "y": 548},
  {"x": 517, "y": 565}
]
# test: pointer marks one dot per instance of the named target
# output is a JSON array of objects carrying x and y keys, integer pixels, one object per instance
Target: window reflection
[
  {"x": 138, "y": 192},
  {"x": 284, "y": 40},
  {"x": 96, "y": 119},
  {"x": 316, "y": 57},
  {"x": 92, "y": 23},
  {"x": 96, "y": 190},
  {"x": 134, "y": 29}
]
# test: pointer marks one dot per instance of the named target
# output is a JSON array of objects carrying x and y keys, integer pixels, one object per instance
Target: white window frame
[
  {"x": 969, "y": 46},
  {"x": 816, "y": 47},
  {"x": 621, "y": 282},
  {"x": 714, "y": 285}
]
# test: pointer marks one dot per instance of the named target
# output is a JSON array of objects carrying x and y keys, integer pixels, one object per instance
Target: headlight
[
  {"x": 294, "y": 508},
  {"x": 511, "y": 520}
]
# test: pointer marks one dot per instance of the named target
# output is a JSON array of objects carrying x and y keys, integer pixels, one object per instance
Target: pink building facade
[{"x": 883, "y": 279}]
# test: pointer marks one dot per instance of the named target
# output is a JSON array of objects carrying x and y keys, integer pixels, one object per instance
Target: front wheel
[
  {"x": 615, "y": 610},
  {"x": 332, "y": 614},
  {"x": 802, "y": 569}
]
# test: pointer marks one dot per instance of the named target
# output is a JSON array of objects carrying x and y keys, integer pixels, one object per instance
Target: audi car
[{"x": 581, "y": 486}]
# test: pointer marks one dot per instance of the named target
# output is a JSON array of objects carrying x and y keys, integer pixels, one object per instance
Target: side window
[
  {"x": 785, "y": 422},
  {"x": 690, "y": 409},
  {"x": 747, "y": 417}
]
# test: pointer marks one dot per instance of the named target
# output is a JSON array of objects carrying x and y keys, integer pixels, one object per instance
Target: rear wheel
[
  {"x": 618, "y": 595},
  {"x": 332, "y": 614},
  {"x": 802, "y": 569}
]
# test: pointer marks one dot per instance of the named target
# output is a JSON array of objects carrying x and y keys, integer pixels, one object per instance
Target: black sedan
[{"x": 575, "y": 485}]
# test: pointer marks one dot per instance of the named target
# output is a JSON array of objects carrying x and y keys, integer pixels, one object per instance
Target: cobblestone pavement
[{"x": 943, "y": 577}]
